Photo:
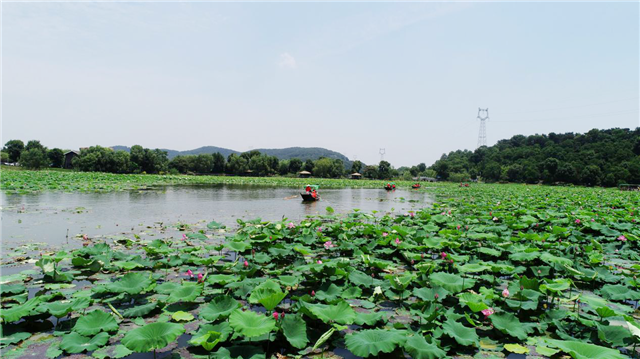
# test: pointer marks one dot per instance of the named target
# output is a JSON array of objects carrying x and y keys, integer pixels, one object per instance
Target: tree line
[
  {"x": 145, "y": 160},
  {"x": 596, "y": 158}
]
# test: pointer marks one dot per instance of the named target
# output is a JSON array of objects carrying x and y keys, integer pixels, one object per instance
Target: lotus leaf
[
  {"x": 130, "y": 283},
  {"x": 152, "y": 336},
  {"x": 370, "y": 342},
  {"x": 75, "y": 343},
  {"x": 463, "y": 335},
  {"x": 220, "y": 306},
  {"x": 250, "y": 324},
  {"x": 95, "y": 322},
  {"x": 295, "y": 330},
  {"x": 419, "y": 348},
  {"x": 340, "y": 313}
]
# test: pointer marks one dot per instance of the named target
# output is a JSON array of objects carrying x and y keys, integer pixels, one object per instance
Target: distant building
[
  {"x": 424, "y": 179},
  {"x": 304, "y": 174},
  {"x": 68, "y": 159},
  {"x": 356, "y": 175}
]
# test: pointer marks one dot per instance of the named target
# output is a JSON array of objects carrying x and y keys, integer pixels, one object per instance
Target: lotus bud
[
  {"x": 521, "y": 287},
  {"x": 275, "y": 315},
  {"x": 397, "y": 240},
  {"x": 443, "y": 255},
  {"x": 246, "y": 264},
  {"x": 413, "y": 262},
  {"x": 184, "y": 237},
  {"x": 85, "y": 237},
  {"x": 200, "y": 277},
  {"x": 505, "y": 293},
  {"x": 436, "y": 296},
  {"x": 190, "y": 273},
  {"x": 319, "y": 262},
  {"x": 577, "y": 221},
  {"x": 313, "y": 293}
]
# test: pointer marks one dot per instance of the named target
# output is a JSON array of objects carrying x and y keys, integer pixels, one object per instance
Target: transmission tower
[
  {"x": 382, "y": 152},
  {"x": 483, "y": 115}
]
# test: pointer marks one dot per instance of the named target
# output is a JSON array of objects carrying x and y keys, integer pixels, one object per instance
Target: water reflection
[{"x": 46, "y": 216}]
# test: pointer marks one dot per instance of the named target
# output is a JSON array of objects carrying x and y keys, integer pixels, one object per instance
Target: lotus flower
[
  {"x": 436, "y": 296},
  {"x": 443, "y": 255},
  {"x": 422, "y": 255},
  {"x": 200, "y": 276},
  {"x": 413, "y": 262},
  {"x": 319, "y": 261},
  {"x": 313, "y": 293},
  {"x": 275, "y": 315},
  {"x": 246, "y": 264},
  {"x": 319, "y": 229},
  {"x": 282, "y": 315},
  {"x": 85, "y": 237},
  {"x": 328, "y": 245},
  {"x": 495, "y": 219},
  {"x": 184, "y": 237},
  {"x": 577, "y": 221},
  {"x": 190, "y": 273},
  {"x": 412, "y": 214},
  {"x": 290, "y": 225},
  {"x": 458, "y": 227},
  {"x": 384, "y": 234},
  {"x": 487, "y": 312},
  {"x": 622, "y": 238},
  {"x": 397, "y": 240},
  {"x": 505, "y": 293}
]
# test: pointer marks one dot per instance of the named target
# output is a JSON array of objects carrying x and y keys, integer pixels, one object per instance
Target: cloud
[{"x": 288, "y": 61}]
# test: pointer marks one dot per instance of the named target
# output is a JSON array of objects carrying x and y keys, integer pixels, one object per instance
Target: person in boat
[
  {"x": 308, "y": 189},
  {"x": 314, "y": 194}
]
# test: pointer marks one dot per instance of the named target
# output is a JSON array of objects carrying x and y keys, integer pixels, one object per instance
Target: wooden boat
[
  {"x": 415, "y": 186},
  {"x": 390, "y": 186},
  {"x": 307, "y": 195}
]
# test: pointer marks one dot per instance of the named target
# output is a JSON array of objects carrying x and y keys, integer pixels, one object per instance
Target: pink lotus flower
[
  {"x": 436, "y": 296},
  {"x": 282, "y": 315},
  {"x": 505, "y": 293},
  {"x": 593, "y": 220},
  {"x": 487, "y": 312},
  {"x": 443, "y": 255},
  {"x": 190, "y": 273},
  {"x": 319, "y": 262},
  {"x": 246, "y": 264},
  {"x": 275, "y": 315},
  {"x": 291, "y": 225},
  {"x": 412, "y": 214},
  {"x": 458, "y": 227},
  {"x": 384, "y": 234},
  {"x": 328, "y": 245},
  {"x": 200, "y": 277},
  {"x": 313, "y": 293},
  {"x": 319, "y": 229},
  {"x": 85, "y": 237},
  {"x": 622, "y": 238},
  {"x": 184, "y": 237},
  {"x": 577, "y": 221},
  {"x": 397, "y": 240}
]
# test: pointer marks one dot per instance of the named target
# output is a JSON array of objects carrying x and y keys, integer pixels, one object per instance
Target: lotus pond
[{"x": 487, "y": 271}]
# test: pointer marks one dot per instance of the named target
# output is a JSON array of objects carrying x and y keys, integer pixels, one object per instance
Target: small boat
[
  {"x": 310, "y": 193},
  {"x": 390, "y": 186},
  {"x": 415, "y": 185}
]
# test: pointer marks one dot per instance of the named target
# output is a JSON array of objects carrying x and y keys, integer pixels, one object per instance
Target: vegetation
[
  {"x": 598, "y": 157},
  {"x": 487, "y": 271}
]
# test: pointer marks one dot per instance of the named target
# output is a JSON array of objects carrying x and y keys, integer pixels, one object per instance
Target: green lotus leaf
[
  {"x": 509, "y": 324},
  {"x": 95, "y": 322},
  {"x": 181, "y": 316},
  {"x": 267, "y": 297},
  {"x": 240, "y": 352},
  {"x": 473, "y": 268},
  {"x": 140, "y": 310},
  {"x": 418, "y": 347},
  {"x": 208, "y": 341},
  {"x": 368, "y": 318},
  {"x": 13, "y": 338},
  {"x": 220, "y": 306},
  {"x": 328, "y": 293},
  {"x": 222, "y": 279},
  {"x": 10, "y": 289},
  {"x": 370, "y": 342},
  {"x": 61, "y": 309},
  {"x": 250, "y": 324},
  {"x": 451, "y": 282},
  {"x": 618, "y": 336},
  {"x": 290, "y": 280},
  {"x": 295, "y": 330},
  {"x": 152, "y": 336},
  {"x": 340, "y": 313},
  {"x": 187, "y": 292},
  {"x": 361, "y": 279},
  {"x": 619, "y": 292},
  {"x": 351, "y": 293},
  {"x": 429, "y": 294},
  {"x": 167, "y": 287},
  {"x": 74, "y": 343},
  {"x": 580, "y": 350},
  {"x": 197, "y": 235},
  {"x": 223, "y": 328},
  {"x": 18, "y": 312},
  {"x": 463, "y": 335},
  {"x": 237, "y": 246},
  {"x": 130, "y": 283}
]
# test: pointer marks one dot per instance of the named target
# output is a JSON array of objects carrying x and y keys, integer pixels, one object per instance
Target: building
[
  {"x": 68, "y": 159},
  {"x": 424, "y": 179},
  {"x": 356, "y": 175},
  {"x": 304, "y": 174}
]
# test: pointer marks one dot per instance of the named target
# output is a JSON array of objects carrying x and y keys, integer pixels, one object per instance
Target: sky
[{"x": 350, "y": 77}]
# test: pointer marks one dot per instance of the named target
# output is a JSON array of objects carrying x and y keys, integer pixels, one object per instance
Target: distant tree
[
  {"x": 137, "y": 158},
  {"x": 295, "y": 164},
  {"x": 356, "y": 166},
  {"x": 34, "y": 144},
  {"x": 283, "y": 167},
  {"x": 370, "y": 172},
  {"x": 120, "y": 162},
  {"x": 14, "y": 148},
  {"x": 514, "y": 173},
  {"x": 236, "y": 164},
  {"x": 260, "y": 165},
  {"x": 591, "y": 176},
  {"x": 56, "y": 157},
  {"x": 218, "y": 162},
  {"x": 34, "y": 159},
  {"x": 492, "y": 172},
  {"x": 422, "y": 167},
  {"x": 566, "y": 173},
  {"x": 203, "y": 163},
  {"x": 636, "y": 146},
  {"x": 384, "y": 170},
  {"x": 4, "y": 157},
  {"x": 182, "y": 164},
  {"x": 323, "y": 168},
  {"x": 249, "y": 154},
  {"x": 308, "y": 165},
  {"x": 337, "y": 168}
]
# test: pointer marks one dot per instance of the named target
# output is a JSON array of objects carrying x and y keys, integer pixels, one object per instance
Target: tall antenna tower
[
  {"x": 483, "y": 115},
  {"x": 382, "y": 152}
]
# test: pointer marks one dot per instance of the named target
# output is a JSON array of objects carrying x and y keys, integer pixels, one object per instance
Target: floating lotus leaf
[
  {"x": 140, "y": 310},
  {"x": 580, "y": 350},
  {"x": 187, "y": 292},
  {"x": 250, "y": 324},
  {"x": 295, "y": 330},
  {"x": 152, "y": 336},
  {"x": 451, "y": 282},
  {"x": 365, "y": 343},
  {"x": 181, "y": 316},
  {"x": 340, "y": 313},
  {"x": 18, "y": 312},
  {"x": 510, "y": 324},
  {"x": 220, "y": 306},
  {"x": 130, "y": 283},
  {"x": 95, "y": 322},
  {"x": 619, "y": 292},
  {"x": 463, "y": 335},
  {"x": 418, "y": 347},
  {"x": 74, "y": 343}
]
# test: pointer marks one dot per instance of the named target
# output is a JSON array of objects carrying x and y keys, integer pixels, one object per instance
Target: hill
[
  {"x": 598, "y": 157},
  {"x": 303, "y": 153}
]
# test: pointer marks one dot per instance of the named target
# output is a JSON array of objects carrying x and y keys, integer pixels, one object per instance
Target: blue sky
[{"x": 351, "y": 77}]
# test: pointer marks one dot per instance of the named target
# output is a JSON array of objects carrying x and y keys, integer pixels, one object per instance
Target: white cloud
[{"x": 286, "y": 60}]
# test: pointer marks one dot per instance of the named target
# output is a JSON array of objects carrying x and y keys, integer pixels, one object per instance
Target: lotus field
[{"x": 486, "y": 272}]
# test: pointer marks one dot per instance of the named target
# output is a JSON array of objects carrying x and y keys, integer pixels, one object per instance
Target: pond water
[{"x": 48, "y": 217}]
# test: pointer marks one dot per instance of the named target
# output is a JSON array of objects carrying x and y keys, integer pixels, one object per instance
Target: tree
[
  {"x": 236, "y": 164},
  {"x": 4, "y": 157},
  {"x": 370, "y": 172},
  {"x": 34, "y": 159},
  {"x": 323, "y": 168},
  {"x": 218, "y": 162},
  {"x": 203, "y": 163},
  {"x": 356, "y": 166},
  {"x": 56, "y": 157},
  {"x": 34, "y": 144},
  {"x": 422, "y": 167},
  {"x": 308, "y": 165},
  {"x": 295, "y": 164},
  {"x": 591, "y": 176},
  {"x": 137, "y": 158},
  {"x": 283, "y": 167},
  {"x": 14, "y": 148},
  {"x": 384, "y": 170}
]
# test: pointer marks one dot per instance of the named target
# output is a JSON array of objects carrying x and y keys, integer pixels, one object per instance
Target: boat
[
  {"x": 390, "y": 186},
  {"x": 309, "y": 191},
  {"x": 415, "y": 185}
]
